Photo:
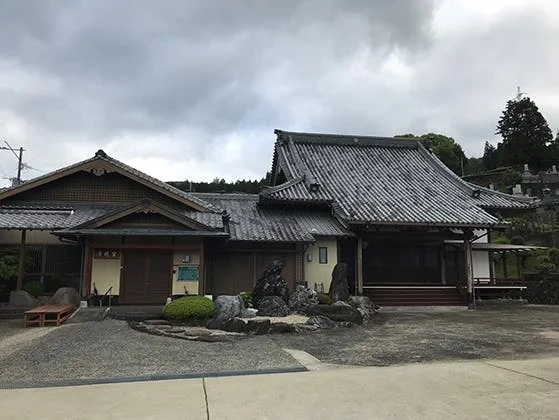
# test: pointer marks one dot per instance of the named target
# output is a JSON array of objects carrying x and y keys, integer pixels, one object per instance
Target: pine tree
[{"x": 525, "y": 134}]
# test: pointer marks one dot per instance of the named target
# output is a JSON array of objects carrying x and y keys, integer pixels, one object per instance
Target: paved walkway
[{"x": 485, "y": 390}]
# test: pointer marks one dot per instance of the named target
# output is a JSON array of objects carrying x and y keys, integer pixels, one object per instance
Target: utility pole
[{"x": 19, "y": 157}]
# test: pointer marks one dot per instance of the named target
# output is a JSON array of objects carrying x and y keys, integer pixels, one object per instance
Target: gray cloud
[{"x": 194, "y": 89}]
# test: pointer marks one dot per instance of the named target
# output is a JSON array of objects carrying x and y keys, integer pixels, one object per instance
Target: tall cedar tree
[
  {"x": 490, "y": 156},
  {"x": 525, "y": 134}
]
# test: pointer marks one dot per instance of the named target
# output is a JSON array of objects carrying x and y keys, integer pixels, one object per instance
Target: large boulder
[
  {"x": 338, "y": 313},
  {"x": 321, "y": 322},
  {"x": 271, "y": 283},
  {"x": 65, "y": 296},
  {"x": 301, "y": 298},
  {"x": 22, "y": 299},
  {"x": 339, "y": 287},
  {"x": 225, "y": 309},
  {"x": 272, "y": 306},
  {"x": 364, "y": 305}
]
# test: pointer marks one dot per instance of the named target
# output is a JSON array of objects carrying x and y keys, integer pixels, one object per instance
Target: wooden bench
[{"x": 47, "y": 314}]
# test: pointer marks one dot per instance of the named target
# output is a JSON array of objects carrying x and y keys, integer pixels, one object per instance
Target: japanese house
[{"x": 403, "y": 222}]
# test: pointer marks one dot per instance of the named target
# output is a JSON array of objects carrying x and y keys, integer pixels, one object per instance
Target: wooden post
[
  {"x": 505, "y": 271},
  {"x": 359, "y": 265},
  {"x": 518, "y": 264},
  {"x": 202, "y": 279},
  {"x": 21, "y": 261},
  {"x": 87, "y": 265},
  {"x": 443, "y": 264},
  {"x": 468, "y": 234}
]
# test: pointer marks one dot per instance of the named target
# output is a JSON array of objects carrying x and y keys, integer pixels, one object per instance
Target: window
[{"x": 323, "y": 255}]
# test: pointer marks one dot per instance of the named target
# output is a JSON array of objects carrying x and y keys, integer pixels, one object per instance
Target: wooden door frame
[{"x": 147, "y": 257}]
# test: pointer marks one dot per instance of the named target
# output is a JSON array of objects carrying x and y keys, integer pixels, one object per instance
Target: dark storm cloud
[{"x": 195, "y": 88}]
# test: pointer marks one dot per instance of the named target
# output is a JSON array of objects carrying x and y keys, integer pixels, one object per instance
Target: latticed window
[{"x": 55, "y": 265}]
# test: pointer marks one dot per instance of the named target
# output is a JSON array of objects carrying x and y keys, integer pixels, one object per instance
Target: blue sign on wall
[{"x": 188, "y": 273}]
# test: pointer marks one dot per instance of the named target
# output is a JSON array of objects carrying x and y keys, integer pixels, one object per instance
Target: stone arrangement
[
  {"x": 273, "y": 311},
  {"x": 271, "y": 283}
]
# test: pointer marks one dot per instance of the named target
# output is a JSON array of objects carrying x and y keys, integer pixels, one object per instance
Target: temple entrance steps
[{"x": 414, "y": 295}]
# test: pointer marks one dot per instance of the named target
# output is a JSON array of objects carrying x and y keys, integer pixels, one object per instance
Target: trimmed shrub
[
  {"x": 189, "y": 308},
  {"x": 323, "y": 298},
  {"x": 34, "y": 288},
  {"x": 544, "y": 291},
  {"x": 247, "y": 299}
]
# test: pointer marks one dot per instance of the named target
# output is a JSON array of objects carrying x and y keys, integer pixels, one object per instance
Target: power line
[{"x": 19, "y": 157}]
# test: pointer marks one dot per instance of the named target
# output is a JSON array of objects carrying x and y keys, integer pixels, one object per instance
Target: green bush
[
  {"x": 34, "y": 288},
  {"x": 189, "y": 308},
  {"x": 247, "y": 299},
  {"x": 544, "y": 291},
  {"x": 324, "y": 298}
]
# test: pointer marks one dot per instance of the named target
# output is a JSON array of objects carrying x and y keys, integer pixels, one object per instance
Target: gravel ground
[
  {"x": 405, "y": 337},
  {"x": 111, "y": 349}
]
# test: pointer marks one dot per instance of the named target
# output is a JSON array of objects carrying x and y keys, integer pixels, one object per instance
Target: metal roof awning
[{"x": 484, "y": 246}]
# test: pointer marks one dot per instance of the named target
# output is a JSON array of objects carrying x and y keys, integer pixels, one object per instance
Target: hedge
[{"x": 189, "y": 308}]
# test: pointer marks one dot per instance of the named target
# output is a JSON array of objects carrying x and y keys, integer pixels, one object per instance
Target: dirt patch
[{"x": 401, "y": 337}]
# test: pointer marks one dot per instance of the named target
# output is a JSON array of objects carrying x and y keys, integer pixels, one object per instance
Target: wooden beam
[
  {"x": 21, "y": 261},
  {"x": 359, "y": 265}
]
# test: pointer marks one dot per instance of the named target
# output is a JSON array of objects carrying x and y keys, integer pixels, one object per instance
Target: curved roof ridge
[{"x": 281, "y": 187}]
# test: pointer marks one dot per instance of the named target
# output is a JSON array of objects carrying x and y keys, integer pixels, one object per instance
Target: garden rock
[
  {"x": 364, "y": 305},
  {"x": 234, "y": 325},
  {"x": 301, "y": 298},
  {"x": 249, "y": 313},
  {"x": 336, "y": 313},
  {"x": 281, "y": 328},
  {"x": 225, "y": 309},
  {"x": 339, "y": 288},
  {"x": 65, "y": 296},
  {"x": 321, "y": 322},
  {"x": 272, "y": 306},
  {"x": 22, "y": 299},
  {"x": 341, "y": 303},
  {"x": 270, "y": 283},
  {"x": 258, "y": 326}
]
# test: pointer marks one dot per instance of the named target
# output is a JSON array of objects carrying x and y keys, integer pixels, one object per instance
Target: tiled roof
[
  {"x": 214, "y": 220},
  {"x": 101, "y": 155},
  {"x": 381, "y": 181},
  {"x": 50, "y": 216},
  {"x": 251, "y": 222}
]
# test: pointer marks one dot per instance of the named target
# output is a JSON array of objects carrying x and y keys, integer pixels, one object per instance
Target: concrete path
[{"x": 525, "y": 389}]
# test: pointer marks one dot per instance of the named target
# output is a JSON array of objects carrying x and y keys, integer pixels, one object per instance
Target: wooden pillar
[
  {"x": 518, "y": 265},
  {"x": 491, "y": 267},
  {"x": 468, "y": 265},
  {"x": 359, "y": 265},
  {"x": 202, "y": 279},
  {"x": 21, "y": 261},
  {"x": 87, "y": 264},
  {"x": 443, "y": 264},
  {"x": 505, "y": 271}
]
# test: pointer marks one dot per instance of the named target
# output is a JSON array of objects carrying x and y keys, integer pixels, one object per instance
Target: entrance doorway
[{"x": 147, "y": 276}]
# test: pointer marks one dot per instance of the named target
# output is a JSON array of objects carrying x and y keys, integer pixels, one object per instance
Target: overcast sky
[{"x": 194, "y": 89}]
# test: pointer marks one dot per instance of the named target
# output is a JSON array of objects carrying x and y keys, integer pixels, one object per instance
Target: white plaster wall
[
  {"x": 480, "y": 264},
  {"x": 316, "y": 273},
  {"x": 483, "y": 234},
  {"x": 178, "y": 286},
  {"x": 106, "y": 273},
  {"x": 33, "y": 237}
]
